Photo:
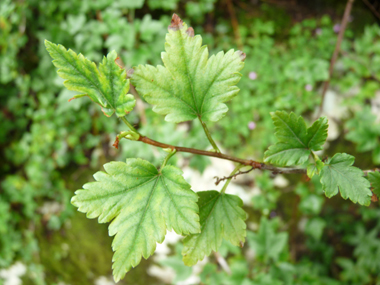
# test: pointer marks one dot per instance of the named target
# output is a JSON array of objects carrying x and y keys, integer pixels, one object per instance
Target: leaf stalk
[{"x": 208, "y": 134}]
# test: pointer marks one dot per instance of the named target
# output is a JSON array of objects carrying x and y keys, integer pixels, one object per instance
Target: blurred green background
[{"x": 50, "y": 147}]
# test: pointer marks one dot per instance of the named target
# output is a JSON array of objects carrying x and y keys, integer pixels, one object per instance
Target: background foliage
[{"x": 50, "y": 147}]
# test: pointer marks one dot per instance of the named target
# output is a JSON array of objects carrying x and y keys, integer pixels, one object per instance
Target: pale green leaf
[
  {"x": 314, "y": 168},
  {"x": 106, "y": 86},
  {"x": 221, "y": 216},
  {"x": 295, "y": 140},
  {"x": 374, "y": 178},
  {"x": 142, "y": 204},
  {"x": 190, "y": 84},
  {"x": 338, "y": 174}
]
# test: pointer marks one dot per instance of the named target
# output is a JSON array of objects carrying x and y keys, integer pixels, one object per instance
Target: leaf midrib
[
  {"x": 182, "y": 49},
  {"x": 167, "y": 91},
  {"x": 171, "y": 199},
  {"x": 205, "y": 222},
  {"x": 291, "y": 130},
  {"x": 84, "y": 76},
  {"x": 120, "y": 192},
  {"x": 138, "y": 228}
]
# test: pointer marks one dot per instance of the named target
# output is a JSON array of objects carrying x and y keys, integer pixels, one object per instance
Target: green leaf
[
  {"x": 315, "y": 168},
  {"x": 142, "y": 204},
  {"x": 266, "y": 243},
  {"x": 363, "y": 130},
  {"x": 106, "y": 86},
  {"x": 295, "y": 141},
  {"x": 374, "y": 178},
  {"x": 190, "y": 84},
  {"x": 314, "y": 228},
  {"x": 339, "y": 174},
  {"x": 221, "y": 216}
]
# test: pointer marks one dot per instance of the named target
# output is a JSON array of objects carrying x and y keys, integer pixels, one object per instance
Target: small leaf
[
  {"x": 363, "y": 130},
  {"x": 266, "y": 242},
  {"x": 295, "y": 141},
  {"x": 190, "y": 84},
  {"x": 106, "y": 86},
  {"x": 221, "y": 216},
  {"x": 142, "y": 204},
  {"x": 338, "y": 174},
  {"x": 374, "y": 178},
  {"x": 314, "y": 168}
]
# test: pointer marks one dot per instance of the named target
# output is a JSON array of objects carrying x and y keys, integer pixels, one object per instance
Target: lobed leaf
[
  {"x": 221, "y": 216},
  {"x": 295, "y": 140},
  {"x": 142, "y": 204},
  {"x": 106, "y": 86},
  {"x": 190, "y": 84},
  {"x": 374, "y": 178},
  {"x": 266, "y": 243},
  {"x": 338, "y": 174}
]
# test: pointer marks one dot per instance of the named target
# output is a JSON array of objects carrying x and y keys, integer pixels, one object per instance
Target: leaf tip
[
  {"x": 176, "y": 23},
  {"x": 190, "y": 32},
  {"x": 116, "y": 143},
  {"x": 242, "y": 55}
]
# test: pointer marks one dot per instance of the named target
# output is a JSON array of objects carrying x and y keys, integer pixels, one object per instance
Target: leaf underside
[
  {"x": 190, "y": 84},
  {"x": 221, "y": 216},
  {"x": 338, "y": 174},
  {"x": 142, "y": 204},
  {"x": 106, "y": 86},
  {"x": 374, "y": 178},
  {"x": 295, "y": 140}
]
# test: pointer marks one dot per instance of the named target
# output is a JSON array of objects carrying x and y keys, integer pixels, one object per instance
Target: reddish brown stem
[
  {"x": 252, "y": 163},
  {"x": 343, "y": 26},
  {"x": 249, "y": 162},
  {"x": 235, "y": 24}
]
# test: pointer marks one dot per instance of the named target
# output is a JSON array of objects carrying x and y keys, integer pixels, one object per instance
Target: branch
[
  {"x": 377, "y": 14},
  {"x": 235, "y": 24},
  {"x": 370, "y": 170},
  {"x": 247, "y": 162},
  {"x": 218, "y": 180},
  {"x": 343, "y": 26}
]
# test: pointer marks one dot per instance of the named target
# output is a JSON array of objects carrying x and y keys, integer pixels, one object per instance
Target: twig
[
  {"x": 218, "y": 180},
  {"x": 343, "y": 26},
  {"x": 220, "y": 155},
  {"x": 222, "y": 262},
  {"x": 370, "y": 170},
  {"x": 248, "y": 162},
  {"x": 242, "y": 161},
  {"x": 377, "y": 14},
  {"x": 235, "y": 24}
]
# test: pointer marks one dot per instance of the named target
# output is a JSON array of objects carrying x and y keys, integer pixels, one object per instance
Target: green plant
[{"x": 142, "y": 201}]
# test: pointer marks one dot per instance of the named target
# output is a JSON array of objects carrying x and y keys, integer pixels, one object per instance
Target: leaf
[
  {"x": 339, "y": 174},
  {"x": 106, "y": 86},
  {"x": 374, "y": 178},
  {"x": 314, "y": 168},
  {"x": 266, "y": 243},
  {"x": 190, "y": 84},
  {"x": 363, "y": 130},
  {"x": 295, "y": 141},
  {"x": 221, "y": 216},
  {"x": 142, "y": 204}
]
